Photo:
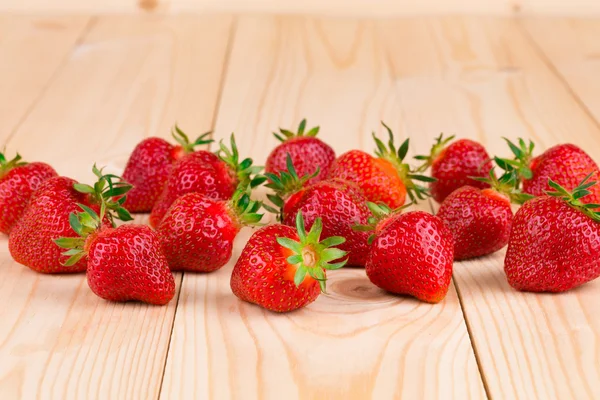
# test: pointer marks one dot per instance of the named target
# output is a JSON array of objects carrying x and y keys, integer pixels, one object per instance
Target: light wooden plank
[
  {"x": 128, "y": 79},
  {"x": 32, "y": 50},
  {"x": 481, "y": 78},
  {"x": 572, "y": 47},
  {"x": 357, "y": 342}
]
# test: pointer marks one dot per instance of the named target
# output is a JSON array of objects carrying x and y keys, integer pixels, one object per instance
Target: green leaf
[
  {"x": 294, "y": 259},
  {"x": 300, "y": 227},
  {"x": 515, "y": 150},
  {"x": 335, "y": 266},
  {"x": 75, "y": 224},
  {"x": 89, "y": 211},
  {"x": 332, "y": 254},
  {"x": 301, "y": 127},
  {"x": 332, "y": 241},
  {"x": 290, "y": 244},
  {"x": 83, "y": 188},
  {"x": 69, "y": 243},
  {"x": 74, "y": 259},
  {"x": 403, "y": 150},
  {"x": 299, "y": 276},
  {"x": 123, "y": 214},
  {"x": 315, "y": 231}
]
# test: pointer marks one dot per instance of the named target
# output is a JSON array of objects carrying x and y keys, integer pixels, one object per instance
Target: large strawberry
[
  {"x": 454, "y": 165},
  {"x": 124, "y": 263},
  {"x": 31, "y": 241},
  {"x": 197, "y": 232},
  {"x": 216, "y": 176},
  {"x": 308, "y": 153},
  {"x": 283, "y": 269},
  {"x": 150, "y": 164},
  {"x": 554, "y": 243},
  {"x": 565, "y": 164},
  {"x": 385, "y": 178},
  {"x": 18, "y": 181},
  {"x": 339, "y": 204},
  {"x": 411, "y": 254}
]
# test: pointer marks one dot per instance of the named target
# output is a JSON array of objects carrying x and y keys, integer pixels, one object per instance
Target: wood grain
[
  {"x": 127, "y": 79},
  {"x": 356, "y": 342},
  {"x": 482, "y": 79}
]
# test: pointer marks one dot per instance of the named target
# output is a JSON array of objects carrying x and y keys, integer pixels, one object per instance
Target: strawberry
[
  {"x": 47, "y": 218},
  {"x": 18, "y": 181},
  {"x": 308, "y": 153},
  {"x": 124, "y": 263},
  {"x": 454, "y": 165},
  {"x": 385, "y": 178},
  {"x": 411, "y": 254},
  {"x": 565, "y": 164},
  {"x": 554, "y": 243},
  {"x": 216, "y": 176},
  {"x": 150, "y": 164},
  {"x": 197, "y": 232},
  {"x": 339, "y": 204},
  {"x": 282, "y": 268}
]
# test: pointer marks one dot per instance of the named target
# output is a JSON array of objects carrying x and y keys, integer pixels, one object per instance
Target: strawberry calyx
[
  {"x": 246, "y": 173},
  {"x": 313, "y": 256},
  {"x": 380, "y": 214},
  {"x": 244, "y": 208},
  {"x": 7, "y": 165},
  {"x": 507, "y": 184},
  {"x": 184, "y": 141},
  {"x": 521, "y": 161},
  {"x": 285, "y": 135},
  {"x": 574, "y": 198},
  {"x": 404, "y": 170},
  {"x": 436, "y": 150}
]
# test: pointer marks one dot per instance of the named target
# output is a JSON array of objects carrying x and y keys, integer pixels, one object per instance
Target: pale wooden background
[{"x": 78, "y": 89}]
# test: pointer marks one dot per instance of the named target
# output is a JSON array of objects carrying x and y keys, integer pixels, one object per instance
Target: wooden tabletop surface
[{"x": 75, "y": 90}]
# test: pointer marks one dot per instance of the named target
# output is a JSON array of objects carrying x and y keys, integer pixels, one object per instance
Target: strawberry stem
[
  {"x": 184, "y": 141},
  {"x": 6, "y": 166},
  {"x": 522, "y": 156},
  {"x": 507, "y": 184},
  {"x": 379, "y": 211},
  {"x": 574, "y": 198},
  {"x": 284, "y": 134},
  {"x": 246, "y": 209},
  {"x": 440, "y": 144},
  {"x": 246, "y": 173}
]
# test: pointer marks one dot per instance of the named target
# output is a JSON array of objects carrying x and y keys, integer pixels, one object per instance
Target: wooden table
[{"x": 79, "y": 89}]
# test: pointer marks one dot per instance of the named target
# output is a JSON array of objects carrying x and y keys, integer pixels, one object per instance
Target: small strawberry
[
  {"x": 282, "y": 268},
  {"x": 124, "y": 263},
  {"x": 197, "y": 232},
  {"x": 150, "y": 164},
  {"x": 554, "y": 243},
  {"x": 339, "y": 204},
  {"x": 308, "y": 153},
  {"x": 454, "y": 165},
  {"x": 47, "y": 218},
  {"x": 385, "y": 178},
  {"x": 565, "y": 164},
  {"x": 411, "y": 254},
  {"x": 216, "y": 176},
  {"x": 18, "y": 181}
]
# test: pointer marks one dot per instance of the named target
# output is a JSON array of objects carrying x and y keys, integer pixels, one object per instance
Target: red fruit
[
  {"x": 479, "y": 220},
  {"x": 282, "y": 268},
  {"x": 412, "y": 254},
  {"x": 197, "y": 233},
  {"x": 453, "y": 166},
  {"x": 385, "y": 178},
  {"x": 18, "y": 181},
  {"x": 554, "y": 243},
  {"x": 149, "y": 166},
  {"x": 308, "y": 153}
]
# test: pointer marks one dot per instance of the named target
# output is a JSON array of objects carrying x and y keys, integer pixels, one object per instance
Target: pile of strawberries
[{"x": 332, "y": 212}]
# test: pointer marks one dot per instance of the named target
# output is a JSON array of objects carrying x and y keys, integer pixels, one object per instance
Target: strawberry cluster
[{"x": 331, "y": 212}]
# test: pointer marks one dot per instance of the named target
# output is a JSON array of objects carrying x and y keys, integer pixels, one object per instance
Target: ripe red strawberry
[
  {"x": 124, "y": 263},
  {"x": 385, "y": 178},
  {"x": 18, "y": 181},
  {"x": 339, "y": 204},
  {"x": 282, "y": 268},
  {"x": 454, "y": 165},
  {"x": 214, "y": 176},
  {"x": 150, "y": 164},
  {"x": 412, "y": 254},
  {"x": 554, "y": 243},
  {"x": 308, "y": 153},
  {"x": 47, "y": 218},
  {"x": 565, "y": 164},
  {"x": 197, "y": 232}
]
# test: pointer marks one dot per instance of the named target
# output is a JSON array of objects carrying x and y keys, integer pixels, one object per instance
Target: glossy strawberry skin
[
  {"x": 479, "y": 220},
  {"x": 307, "y": 153},
  {"x": 31, "y": 241},
  {"x": 455, "y": 164},
  {"x": 198, "y": 172},
  {"x": 412, "y": 254},
  {"x": 17, "y": 187},
  {"x": 147, "y": 170},
  {"x": 127, "y": 263},
  {"x": 197, "y": 233},
  {"x": 565, "y": 164},
  {"x": 263, "y": 276},
  {"x": 553, "y": 247},
  {"x": 377, "y": 178},
  {"x": 340, "y": 205}
]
